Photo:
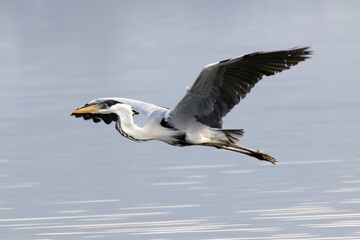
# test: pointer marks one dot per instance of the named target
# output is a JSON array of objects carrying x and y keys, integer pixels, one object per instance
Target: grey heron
[{"x": 197, "y": 118}]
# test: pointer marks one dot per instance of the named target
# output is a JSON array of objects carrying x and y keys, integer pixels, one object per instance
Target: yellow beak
[{"x": 88, "y": 109}]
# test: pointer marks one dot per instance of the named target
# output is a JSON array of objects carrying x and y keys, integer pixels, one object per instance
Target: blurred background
[{"x": 64, "y": 178}]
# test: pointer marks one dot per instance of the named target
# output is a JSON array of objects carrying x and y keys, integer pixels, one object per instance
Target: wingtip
[{"x": 305, "y": 51}]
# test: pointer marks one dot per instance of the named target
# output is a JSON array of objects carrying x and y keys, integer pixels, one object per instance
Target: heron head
[{"x": 99, "y": 109}]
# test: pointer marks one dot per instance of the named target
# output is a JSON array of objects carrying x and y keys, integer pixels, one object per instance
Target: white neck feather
[{"x": 126, "y": 125}]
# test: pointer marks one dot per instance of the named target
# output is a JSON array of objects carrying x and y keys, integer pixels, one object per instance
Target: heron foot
[{"x": 264, "y": 156}]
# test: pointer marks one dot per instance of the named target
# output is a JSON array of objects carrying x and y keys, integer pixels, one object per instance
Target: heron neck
[{"x": 126, "y": 126}]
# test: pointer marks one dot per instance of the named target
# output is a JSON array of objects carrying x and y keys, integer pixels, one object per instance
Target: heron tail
[{"x": 233, "y": 135}]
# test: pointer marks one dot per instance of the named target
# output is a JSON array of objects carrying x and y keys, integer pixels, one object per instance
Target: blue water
[{"x": 65, "y": 178}]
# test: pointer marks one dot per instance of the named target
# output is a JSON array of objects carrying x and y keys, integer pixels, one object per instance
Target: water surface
[{"x": 64, "y": 178}]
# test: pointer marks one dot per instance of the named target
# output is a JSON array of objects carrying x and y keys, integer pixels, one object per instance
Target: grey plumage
[{"x": 221, "y": 86}]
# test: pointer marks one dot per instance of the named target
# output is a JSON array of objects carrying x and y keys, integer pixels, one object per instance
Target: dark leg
[{"x": 259, "y": 154}]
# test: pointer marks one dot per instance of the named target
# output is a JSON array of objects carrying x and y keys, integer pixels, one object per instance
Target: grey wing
[{"x": 220, "y": 86}]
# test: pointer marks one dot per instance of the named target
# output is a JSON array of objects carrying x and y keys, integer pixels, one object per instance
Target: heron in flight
[{"x": 197, "y": 118}]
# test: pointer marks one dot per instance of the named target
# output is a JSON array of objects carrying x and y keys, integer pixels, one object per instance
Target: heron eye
[{"x": 104, "y": 106}]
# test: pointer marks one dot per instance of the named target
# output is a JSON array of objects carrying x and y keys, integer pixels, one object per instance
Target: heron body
[{"x": 197, "y": 118}]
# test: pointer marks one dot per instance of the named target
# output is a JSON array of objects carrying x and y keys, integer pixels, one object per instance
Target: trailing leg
[{"x": 259, "y": 154}]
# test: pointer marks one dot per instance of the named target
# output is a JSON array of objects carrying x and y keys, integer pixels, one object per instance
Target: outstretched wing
[{"x": 220, "y": 86}]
